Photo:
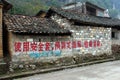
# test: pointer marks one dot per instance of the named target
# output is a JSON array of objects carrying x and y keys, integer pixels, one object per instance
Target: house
[
  {"x": 93, "y": 31},
  {"x": 31, "y": 37},
  {"x": 74, "y": 6},
  {"x": 92, "y": 9},
  {"x": 80, "y": 7},
  {"x": 86, "y": 8},
  {"x": 61, "y": 30},
  {"x": 19, "y": 32}
]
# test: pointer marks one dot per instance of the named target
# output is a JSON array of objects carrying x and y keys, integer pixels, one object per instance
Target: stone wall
[
  {"x": 116, "y": 51},
  {"x": 88, "y": 34}
]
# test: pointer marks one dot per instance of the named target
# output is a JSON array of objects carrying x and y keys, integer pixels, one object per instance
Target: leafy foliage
[{"x": 27, "y": 7}]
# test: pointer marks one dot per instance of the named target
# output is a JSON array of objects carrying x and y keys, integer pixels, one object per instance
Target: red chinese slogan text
[{"x": 59, "y": 45}]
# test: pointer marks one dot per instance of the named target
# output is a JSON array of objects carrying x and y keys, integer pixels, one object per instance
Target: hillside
[{"x": 31, "y": 7}]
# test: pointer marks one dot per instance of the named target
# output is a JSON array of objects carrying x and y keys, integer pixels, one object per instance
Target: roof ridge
[
  {"x": 87, "y": 19},
  {"x": 33, "y": 25}
]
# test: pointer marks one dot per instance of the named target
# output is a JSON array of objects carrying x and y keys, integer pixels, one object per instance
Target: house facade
[
  {"x": 95, "y": 38},
  {"x": 31, "y": 38},
  {"x": 92, "y": 9},
  {"x": 61, "y": 33}
]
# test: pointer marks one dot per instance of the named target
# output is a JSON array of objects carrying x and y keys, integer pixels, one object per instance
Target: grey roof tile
[{"x": 28, "y": 24}]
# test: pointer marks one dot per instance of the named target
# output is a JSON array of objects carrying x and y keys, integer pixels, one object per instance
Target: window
[
  {"x": 91, "y": 10},
  {"x": 100, "y": 13},
  {"x": 114, "y": 35}
]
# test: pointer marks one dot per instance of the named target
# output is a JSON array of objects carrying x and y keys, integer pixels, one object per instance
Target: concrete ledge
[
  {"x": 24, "y": 74},
  {"x": 3, "y": 68}
]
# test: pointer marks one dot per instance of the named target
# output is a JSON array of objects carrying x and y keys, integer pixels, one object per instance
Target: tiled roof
[
  {"x": 86, "y": 19},
  {"x": 92, "y": 4},
  {"x": 28, "y": 24}
]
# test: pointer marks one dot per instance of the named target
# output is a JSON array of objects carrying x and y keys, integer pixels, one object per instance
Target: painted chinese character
[
  {"x": 90, "y": 43},
  {"x": 74, "y": 44},
  {"x": 63, "y": 45},
  {"x": 47, "y": 46},
  {"x": 26, "y": 46},
  {"x": 68, "y": 44},
  {"x": 17, "y": 46},
  {"x": 57, "y": 45},
  {"x": 33, "y": 46},
  {"x": 79, "y": 44},
  {"x": 98, "y": 43},
  {"x": 86, "y": 44},
  {"x": 40, "y": 46}
]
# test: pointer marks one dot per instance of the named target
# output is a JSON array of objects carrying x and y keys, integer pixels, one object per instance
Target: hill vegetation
[{"x": 31, "y": 7}]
